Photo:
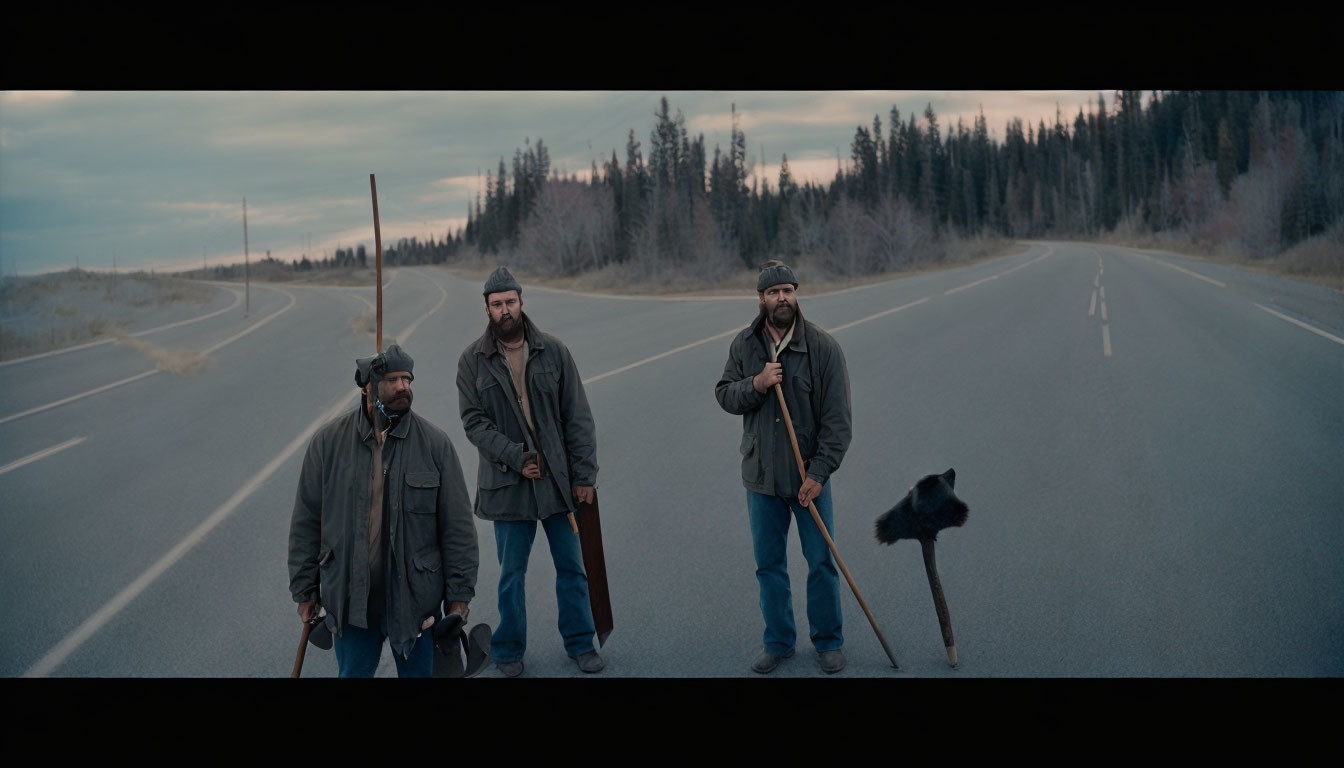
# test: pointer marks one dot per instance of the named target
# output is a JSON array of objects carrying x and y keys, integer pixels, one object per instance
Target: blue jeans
[
  {"x": 513, "y": 541},
  {"x": 770, "y": 517},
  {"x": 358, "y": 651}
]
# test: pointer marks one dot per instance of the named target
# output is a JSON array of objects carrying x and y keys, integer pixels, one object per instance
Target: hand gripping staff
[{"x": 816, "y": 518}]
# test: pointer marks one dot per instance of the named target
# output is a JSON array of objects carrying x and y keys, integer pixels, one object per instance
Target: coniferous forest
[{"x": 1239, "y": 174}]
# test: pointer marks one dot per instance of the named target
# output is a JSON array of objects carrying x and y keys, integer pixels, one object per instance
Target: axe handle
[
  {"x": 573, "y": 524},
  {"x": 816, "y": 517},
  {"x": 303, "y": 648},
  {"x": 939, "y": 602}
]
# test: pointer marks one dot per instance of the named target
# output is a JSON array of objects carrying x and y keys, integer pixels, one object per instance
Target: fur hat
[
  {"x": 928, "y": 508},
  {"x": 499, "y": 281}
]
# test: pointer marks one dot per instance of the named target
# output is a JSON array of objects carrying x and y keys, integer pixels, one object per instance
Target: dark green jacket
[
  {"x": 816, "y": 388},
  {"x": 431, "y": 545},
  {"x": 494, "y": 423}
]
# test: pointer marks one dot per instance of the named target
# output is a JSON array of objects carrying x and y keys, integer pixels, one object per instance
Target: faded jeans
[
  {"x": 513, "y": 541},
  {"x": 358, "y": 651},
  {"x": 769, "y": 517}
]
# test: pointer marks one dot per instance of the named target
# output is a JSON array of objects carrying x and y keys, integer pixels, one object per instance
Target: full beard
[
  {"x": 507, "y": 329},
  {"x": 781, "y": 317}
]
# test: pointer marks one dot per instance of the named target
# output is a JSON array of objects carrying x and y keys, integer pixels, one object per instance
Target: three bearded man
[{"x": 523, "y": 406}]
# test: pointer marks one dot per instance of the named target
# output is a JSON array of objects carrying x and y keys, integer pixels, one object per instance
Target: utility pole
[{"x": 247, "y": 278}]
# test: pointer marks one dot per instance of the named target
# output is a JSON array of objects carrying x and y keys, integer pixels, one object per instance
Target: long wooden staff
[
  {"x": 816, "y": 518},
  {"x": 378, "y": 261}
]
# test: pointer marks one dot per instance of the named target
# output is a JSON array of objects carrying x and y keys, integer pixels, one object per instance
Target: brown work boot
[
  {"x": 831, "y": 661},
  {"x": 767, "y": 661}
]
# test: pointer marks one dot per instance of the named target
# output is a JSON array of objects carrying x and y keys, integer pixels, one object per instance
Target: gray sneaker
[
  {"x": 590, "y": 662},
  {"x": 510, "y": 668},
  {"x": 831, "y": 661},
  {"x": 767, "y": 661}
]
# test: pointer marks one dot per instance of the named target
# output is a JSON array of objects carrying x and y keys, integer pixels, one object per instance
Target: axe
[{"x": 930, "y": 506}]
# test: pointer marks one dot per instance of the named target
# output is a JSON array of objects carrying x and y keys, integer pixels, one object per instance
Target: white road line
[
  {"x": 879, "y": 314},
  {"x": 1103, "y": 311},
  {"x": 1183, "y": 269},
  {"x": 1092, "y": 308},
  {"x": 970, "y": 285},
  {"x": 80, "y": 396},
  {"x": 1106, "y": 339},
  {"x": 1048, "y": 251},
  {"x": 237, "y": 299},
  {"x": 1096, "y": 281},
  {"x": 660, "y": 356},
  {"x": 254, "y": 326},
  {"x": 70, "y": 643},
  {"x": 42, "y": 454},
  {"x": 147, "y": 374},
  {"x": 1299, "y": 323}
]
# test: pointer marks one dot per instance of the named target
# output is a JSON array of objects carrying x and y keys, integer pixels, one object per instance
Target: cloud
[{"x": 20, "y": 98}]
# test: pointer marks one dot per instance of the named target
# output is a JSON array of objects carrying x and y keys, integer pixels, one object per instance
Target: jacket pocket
[
  {"x": 492, "y": 475},
  {"x": 751, "y": 459},
  {"x": 422, "y": 492},
  {"x": 427, "y": 580}
]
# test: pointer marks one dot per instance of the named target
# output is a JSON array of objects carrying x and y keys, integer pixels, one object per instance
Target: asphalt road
[{"x": 1149, "y": 444}]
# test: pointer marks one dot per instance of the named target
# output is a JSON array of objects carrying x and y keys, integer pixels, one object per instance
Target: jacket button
[{"x": 776, "y": 421}]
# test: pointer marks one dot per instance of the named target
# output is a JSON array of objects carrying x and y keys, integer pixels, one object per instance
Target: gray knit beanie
[
  {"x": 774, "y": 275},
  {"x": 499, "y": 281}
]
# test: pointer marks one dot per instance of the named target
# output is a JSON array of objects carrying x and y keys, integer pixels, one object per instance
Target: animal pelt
[{"x": 928, "y": 508}]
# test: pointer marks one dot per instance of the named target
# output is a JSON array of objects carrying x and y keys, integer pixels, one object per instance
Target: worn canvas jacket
[
  {"x": 431, "y": 537},
  {"x": 493, "y": 421},
  {"x": 816, "y": 388}
]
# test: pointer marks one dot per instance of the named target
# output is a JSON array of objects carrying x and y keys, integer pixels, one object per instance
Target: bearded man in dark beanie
[
  {"x": 524, "y": 408},
  {"x": 780, "y": 347},
  {"x": 382, "y": 532}
]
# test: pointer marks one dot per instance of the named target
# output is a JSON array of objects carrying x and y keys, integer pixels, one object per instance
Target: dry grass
[
  {"x": 179, "y": 362},
  {"x": 1318, "y": 259},
  {"x": 364, "y": 324}
]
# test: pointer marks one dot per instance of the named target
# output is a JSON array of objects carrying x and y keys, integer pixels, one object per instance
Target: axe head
[{"x": 928, "y": 508}]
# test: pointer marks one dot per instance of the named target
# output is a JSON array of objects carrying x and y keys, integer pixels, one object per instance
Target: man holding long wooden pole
[{"x": 787, "y": 379}]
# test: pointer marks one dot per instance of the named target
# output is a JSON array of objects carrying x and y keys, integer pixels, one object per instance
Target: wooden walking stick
[
  {"x": 816, "y": 518},
  {"x": 378, "y": 262},
  {"x": 939, "y": 602}
]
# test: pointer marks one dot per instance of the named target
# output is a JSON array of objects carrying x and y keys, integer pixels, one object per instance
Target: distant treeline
[{"x": 1249, "y": 172}]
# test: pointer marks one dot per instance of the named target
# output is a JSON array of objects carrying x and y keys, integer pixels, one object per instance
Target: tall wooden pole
[
  {"x": 378, "y": 260},
  {"x": 825, "y": 534},
  {"x": 247, "y": 276}
]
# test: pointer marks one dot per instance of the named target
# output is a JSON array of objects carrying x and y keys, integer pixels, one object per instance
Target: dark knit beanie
[
  {"x": 775, "y": 275},
  {"x": 499, "y": 281},
  {"x": 394, "y": 358}
]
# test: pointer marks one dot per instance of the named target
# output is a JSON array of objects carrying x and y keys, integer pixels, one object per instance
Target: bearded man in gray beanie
[
  {"x": 780, "y": 347},
  {"x": 382, "y": 532},
  {"x": 524, "y": 408}
]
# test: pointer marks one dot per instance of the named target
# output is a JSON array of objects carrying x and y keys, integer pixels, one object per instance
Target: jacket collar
[
  {"x": 486, "y": 344},
  {"x": 399, "y": 431},
  {"x": 797, "y": 344}
]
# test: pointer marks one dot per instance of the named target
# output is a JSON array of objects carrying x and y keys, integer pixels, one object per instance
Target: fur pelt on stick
[{"x": 928, "y": 508}]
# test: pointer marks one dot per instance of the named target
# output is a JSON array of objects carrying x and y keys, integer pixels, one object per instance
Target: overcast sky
[{"x": 157, "y": 179}]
